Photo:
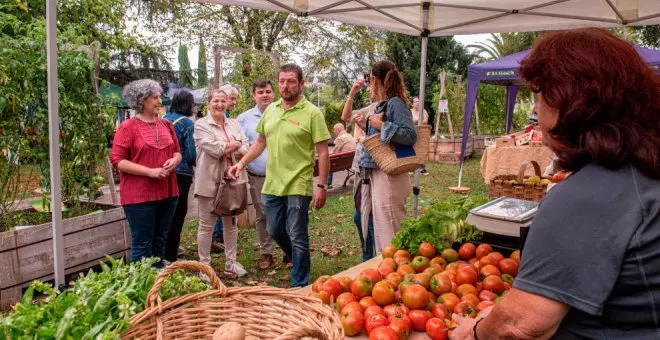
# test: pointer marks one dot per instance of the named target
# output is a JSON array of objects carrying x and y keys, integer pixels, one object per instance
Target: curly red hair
[{"x": 607, "y": 96}]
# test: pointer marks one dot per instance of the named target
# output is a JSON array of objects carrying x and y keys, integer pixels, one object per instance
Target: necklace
[{"x": 152, "y": 130}]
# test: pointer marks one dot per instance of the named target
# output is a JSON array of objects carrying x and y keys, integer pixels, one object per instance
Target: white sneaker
[
  {"x": 204, "y": 278},
  {"x": 236, "y": 268}
]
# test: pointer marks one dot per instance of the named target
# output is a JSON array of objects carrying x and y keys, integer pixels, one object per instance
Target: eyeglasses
[{"x": 367, "y": 79}]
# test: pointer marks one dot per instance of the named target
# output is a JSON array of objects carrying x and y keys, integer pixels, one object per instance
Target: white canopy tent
[{"x": 415, "y": 18}]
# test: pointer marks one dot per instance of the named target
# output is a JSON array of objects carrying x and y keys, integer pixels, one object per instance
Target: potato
[{"x": 229, "y": 331}]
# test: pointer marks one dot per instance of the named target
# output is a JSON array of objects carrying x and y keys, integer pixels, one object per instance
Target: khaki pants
[
  {"x": 205, "y": 232},
  {"x": 265, "y": 242},
  {"x": 388, "y": 197}
]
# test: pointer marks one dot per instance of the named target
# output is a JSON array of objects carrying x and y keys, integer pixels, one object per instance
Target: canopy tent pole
[
  {"x": 54, "y": 142},
  {"x": 422, "y": 82}
]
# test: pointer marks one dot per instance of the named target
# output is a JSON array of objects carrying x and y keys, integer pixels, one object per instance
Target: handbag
[
  {"x": 231, "y": 198},
  {"x": 396, "y": 159}
]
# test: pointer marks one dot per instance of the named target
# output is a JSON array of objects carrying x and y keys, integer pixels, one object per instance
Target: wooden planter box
[
  {"x": 445, "y": 152},
  {"x": 27, "y": 254}
]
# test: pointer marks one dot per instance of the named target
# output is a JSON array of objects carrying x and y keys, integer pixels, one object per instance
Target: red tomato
[
  {"x": 400, "y": 260},
  {"x": 473, "y": 299},
  {"x": 509, "y": 266},
  {"x": 422, "y": 279},
  {"x": 367, "y": 302},
  {"x": 402, "y": 253},
  {"x": 405, "y": 269},
  {"x": 372, "y": 274},
  {"x": 394, "y": 278},
  {"x": 450, "y": 300},
  {"x": 466, "y": 308},
  {"x": 494, "y": 284},
  {"x": 438, "y": 260},
  {"x": 321, "y": 295},
  {"x": 352, "y": 322},
  {"x": 333, "y": 287},
  {"x": 507, "y": 286},
  {"x": 467, "y": 251},
  {"x": 487, "y": 295},
  {"x": 385, "y": 269},
  {"x": 383, "y": 293},
  {"x": 436, "y": 329},
  {"x": 388, "y": 252},
  {"x": 488, "y": 270},
  {"x": 352, "y": 307},
  {"x": 395, "y": 310},
  {"x": 440, "y": 284},
  {"x": 383, "y": 333},
  {"x": 318, "y": 283},
  {"x": 371, "y": 310},
  {"x": 466, "y": 289},
  {"x": 466, "y": 275},
  {"x": 345, "y": 283},
  {"x": 427, "y": 250},
  {"x": 483, "y": 250},
  {"x": 484, "y": 304},
  {"x": 400, "y": 328},
  {"x": 497, "y": 256},
  {"x": 415, "y": 297},
  {"x": 362, "y": 286},
  {"x": 440, "y": 311},
  {"x": 488, "y": 260},
  {"x": 343, "y": 299},
  {"x": 419, "y": 318},
  {"x": 375, "y": 321},
  {"x": 515, "y": 255}
]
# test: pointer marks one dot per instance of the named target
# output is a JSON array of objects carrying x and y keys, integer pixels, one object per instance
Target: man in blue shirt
[{"x": 262, "y": 93}]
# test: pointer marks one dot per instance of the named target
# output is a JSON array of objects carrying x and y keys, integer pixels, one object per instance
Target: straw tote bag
[
  {"x": 395, "y": 159},
  {"x": 231, "y": 198}
]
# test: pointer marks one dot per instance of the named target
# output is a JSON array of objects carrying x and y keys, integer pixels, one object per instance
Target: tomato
[
  {"x": 420, "y": 263},
  {"x": 402, "y": 317},
  {"x": 439, "y": 260},
  {"x": 395, "y": 309},
  {"x": 440, "y": 311},
  {"x": 352, "y": 323},
  {"x": 372, "y": 274},
  {"x": 399, "y": 260},
  {"x": 466, "y": 308},
  {"x": 394, "y": 278},
  {"x": 487, "y": 260},
  {"x": 515, "y": 255},
  {"x": 483, "y": 250},
  {"x": 321, "y": 295},
  {"x": 484, "y": 304},
  {"x": 494, "y": 284},
  {"x": 371, "y": 310},
  {"x": 345, "y": 283},
  {"x": 319, "y": 282},
  {"x": 388, "y": 252},
  {"x": 404, "y": 285},
  {"x": 430, "y": 271},
  {"x": 507, "y": 278},
  {"x": 400, "y": 328},
  {"x": 450, "y": 300},
  {"x": 466, "y": 275},
  {"x": 473, "y": 299},
  {"x": 467, "y": 251},
  {"x": 333, "y": 287},
  {"x": 507, "y": 286},
  {"x": 405, "y": 269},
  {"x": 419, "y": 318},
  {"x": 427, "y": 250},
  {"x": 509, "y": 266},
  {"x": 450, "y": 255},
  {"x": 440, "y": 284},
  {"x": 352, "y": 307},
  {"x": 374, "y": 322},
  {"x": 383, "y": 333},
  {"x": 361, "y": 286},
  {"x": 384, "y": 269},
  {"x": 560, "y": 176},
  {"x": 436, "y": 329},
  {"x": 487, "y": 295},
  {"x": 343, "y": 299},
  {"x": 383, "y": 293},
  {"x": 466, "y": 289},
  {"x": 489, "y": 270},
  {"x": 415, "y": 297},
  {"x": 473, "y": 260},
  {"x": 452, "y": 267},
  {"x": 438, "y": 268},
  {"x": 423, "y": 279},
  {"x": 398, "y": 297},
  {"x": 367, "y": 302},
  {"x": 497, "y": 256},
  {"x": 402, "y": 253}
]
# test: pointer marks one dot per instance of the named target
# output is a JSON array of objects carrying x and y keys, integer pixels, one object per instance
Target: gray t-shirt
[{"x": 595, "y": 246}]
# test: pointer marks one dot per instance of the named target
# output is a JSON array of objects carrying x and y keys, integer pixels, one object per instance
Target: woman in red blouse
[{"x": 146, "y": 152}]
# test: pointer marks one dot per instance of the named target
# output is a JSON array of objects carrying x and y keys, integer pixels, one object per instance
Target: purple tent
[{"x": 504, "y": 71}]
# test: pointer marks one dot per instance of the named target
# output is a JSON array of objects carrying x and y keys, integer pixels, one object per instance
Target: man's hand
[
  {"x": 465, "y": 329},
  {"x": 319, "y": 198},
  {"x": 158, "y": 173},
  {"x": 234, "y": 170}
]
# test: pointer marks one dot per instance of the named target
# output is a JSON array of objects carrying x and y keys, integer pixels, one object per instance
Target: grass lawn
[{"x": 331, "y": 229}]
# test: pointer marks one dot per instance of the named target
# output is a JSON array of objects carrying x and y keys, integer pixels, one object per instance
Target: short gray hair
[
  {"x": 137, "y": 91},
  {"x": 229, "y": 90},
  {"x": 213, "y": 92}
]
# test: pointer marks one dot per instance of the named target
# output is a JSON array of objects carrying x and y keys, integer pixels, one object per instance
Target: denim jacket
[
  {"x": 184, "y": 132},
  {"x": 397, "y": 128}
]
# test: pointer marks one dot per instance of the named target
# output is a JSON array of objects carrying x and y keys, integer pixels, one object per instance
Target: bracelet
[
  {"x": 349, "y": 97},
  {"x": 474, "y": 329}
]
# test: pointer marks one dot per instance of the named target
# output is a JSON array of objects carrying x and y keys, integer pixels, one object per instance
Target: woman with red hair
[{"x": 591, "y": 263}]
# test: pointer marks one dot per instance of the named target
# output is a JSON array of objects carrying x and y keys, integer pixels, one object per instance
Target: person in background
[
  {"x": 293, "y": 128},
  {"x": 219, "y": 140},
  {"x": 145, "y": 150},
  {"x": 181, "y": 109},
  {"x": 414, "y": 109},
  {"x": 591, "y": 263},
  {"x": 232, "y": 94},
  {"x": 388, "y": 192},
  {"x": 343, "y": 142},
  {"x": 262, "y": 93}
]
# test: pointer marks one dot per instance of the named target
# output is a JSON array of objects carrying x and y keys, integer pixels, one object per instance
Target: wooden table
[
  {"x": 507, "y": 160},
  {"x": 352, "y": 273}
]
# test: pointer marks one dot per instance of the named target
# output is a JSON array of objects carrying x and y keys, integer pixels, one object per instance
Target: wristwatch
[{"x": 322, "y": 186}]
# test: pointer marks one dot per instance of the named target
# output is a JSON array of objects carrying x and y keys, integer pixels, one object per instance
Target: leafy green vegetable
[
  {"x": 441, "y": 225},
  {"x": 96, "y": 306}
]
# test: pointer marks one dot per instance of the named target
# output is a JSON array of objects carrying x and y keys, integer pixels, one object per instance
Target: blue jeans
[
  {"x": 287, "y": 220},
  {"x": 150, "y": 223},
  {"x": 330, "y": 178},
  {"x": 217, "y": 230},
  {"x": 368, "y": 246}
]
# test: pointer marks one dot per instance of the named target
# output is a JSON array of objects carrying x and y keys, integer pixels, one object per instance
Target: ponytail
[{"x": 391, "y": 79}]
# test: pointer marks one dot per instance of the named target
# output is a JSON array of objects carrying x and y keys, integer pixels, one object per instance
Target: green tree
[
  {"x": 648, "y": 35},
  {"x": 502, "y": 44},
  {"x": 185, "y": 73},
  {"x": 202, "y": 71}
]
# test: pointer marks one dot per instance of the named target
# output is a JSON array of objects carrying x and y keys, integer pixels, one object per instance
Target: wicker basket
[
  {"x": 515, "y": 186},
  {"x": 265, "y": 312},
  {"x": 383, "y": 153}
]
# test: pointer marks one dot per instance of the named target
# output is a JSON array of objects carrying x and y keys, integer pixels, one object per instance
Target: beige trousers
[
  {"x": 266, "y": 243},
  {"x": 205, "y": 232},
  {"x": 388, "y": 197}
]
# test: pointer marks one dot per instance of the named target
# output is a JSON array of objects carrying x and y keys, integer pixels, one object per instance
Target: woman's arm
[
  {"x": 206, "y": 142},
  {"x": 129, "y": 167},
  {"x": 347, "y": 112}
]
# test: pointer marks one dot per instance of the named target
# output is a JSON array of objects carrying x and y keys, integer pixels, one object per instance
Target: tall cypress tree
[
  {"x": 185, "y": 74},
  {"x": 202, "y": 72}
]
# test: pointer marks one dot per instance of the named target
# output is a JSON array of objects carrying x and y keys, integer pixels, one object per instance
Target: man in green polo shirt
[{"x": 293, "y": 128}]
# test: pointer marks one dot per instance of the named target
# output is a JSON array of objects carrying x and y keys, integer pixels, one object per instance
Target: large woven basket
[
  {"x": 383, "y": 153},
  {"x": 515, "y": 185},
  {"x": 265, "y": 312}
]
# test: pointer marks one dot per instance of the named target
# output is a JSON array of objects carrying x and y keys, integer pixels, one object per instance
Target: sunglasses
[{"x": 367, "y": 79}]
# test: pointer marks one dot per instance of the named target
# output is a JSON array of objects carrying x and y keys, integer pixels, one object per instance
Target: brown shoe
[
  {"x": 265, "y": 261},
  {"x": 287, "y": 261}
]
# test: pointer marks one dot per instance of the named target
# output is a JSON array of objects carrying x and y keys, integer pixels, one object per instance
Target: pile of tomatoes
[{"x": 419, "y": 293}]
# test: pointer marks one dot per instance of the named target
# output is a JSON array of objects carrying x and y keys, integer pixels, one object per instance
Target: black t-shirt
[{"x": 595, "y": 246}]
